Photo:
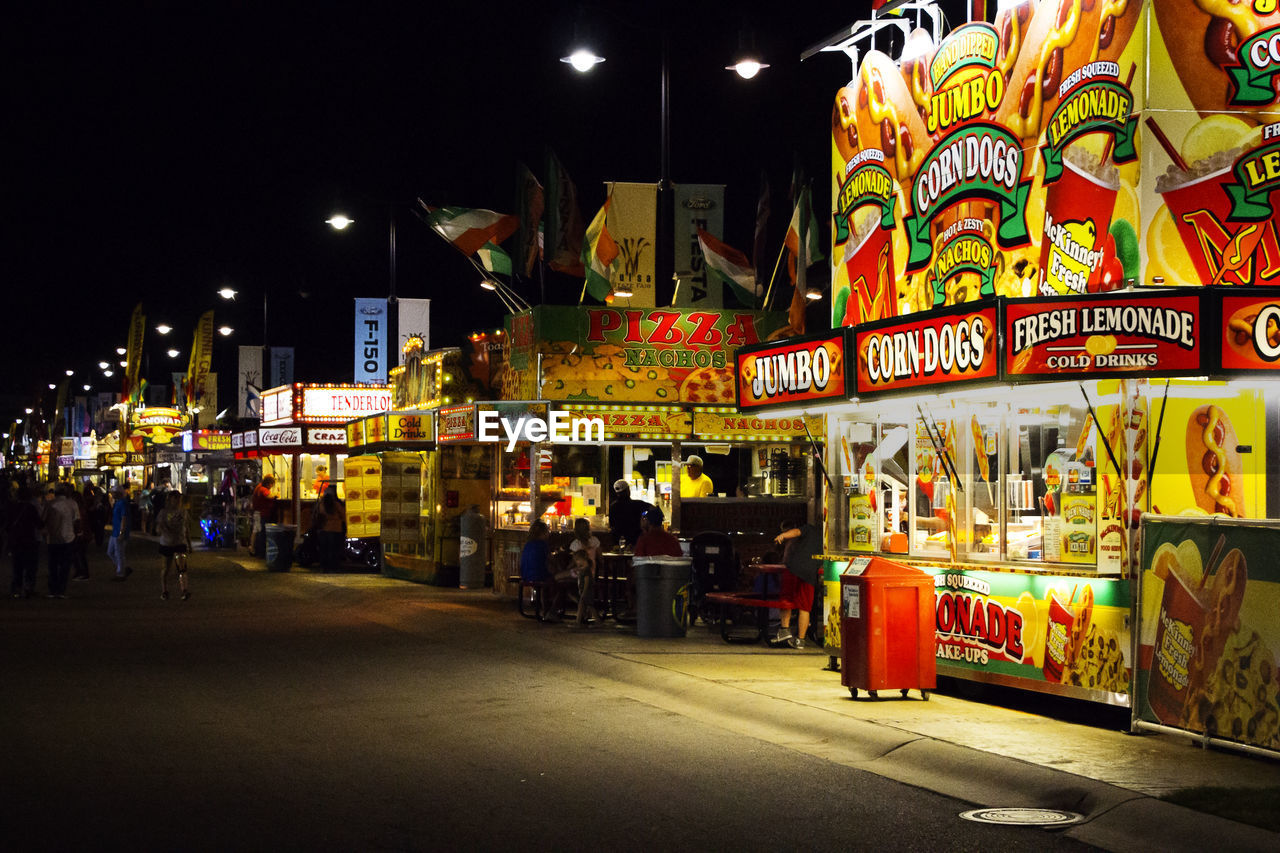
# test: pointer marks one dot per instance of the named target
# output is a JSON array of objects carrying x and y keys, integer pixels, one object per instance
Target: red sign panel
[
  {"x": 1251, "y": 331},
  {"x": 935, "y": 350},
  {"x": 1129, "y": 333},
  {"x": 792, "y": 372}
]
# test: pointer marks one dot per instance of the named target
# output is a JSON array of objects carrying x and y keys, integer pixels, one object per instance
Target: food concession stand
[{"x": 1010, "y": 417}]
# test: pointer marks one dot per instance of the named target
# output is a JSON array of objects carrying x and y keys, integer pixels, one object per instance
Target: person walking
[
  {"x": 121, "y": 524},
  {"x": 799, "y": 582},
  {"x": 330, "y": 525},
  {"x": 174, "y": 530},
  {"x": 22, "y": 528},
  {"x": 80, "y": 546},
  {"x": 60, "y": 527}
]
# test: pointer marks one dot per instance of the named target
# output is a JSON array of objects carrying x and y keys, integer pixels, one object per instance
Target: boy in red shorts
[{"x": 800, "y": 579}]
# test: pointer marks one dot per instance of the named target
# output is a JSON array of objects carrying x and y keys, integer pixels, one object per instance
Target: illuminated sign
[
  {"x": 639, "y": 422},
  {"x": 1120, "y": 333},
  {"x": 1251, "y": 330},
  {"x": 327, "y": 436},
  {"x": 411, "y": 428},
  {"x": 323, "y": 404},
  {"x": 795, "y": 371},
  {"x": 456, "y": 423},
  {"x": 280, "y": 438},
  {"x": 939, "y": 349},
  {"x": 206, "y": 440},
  {"x": 755, "y": 427}
]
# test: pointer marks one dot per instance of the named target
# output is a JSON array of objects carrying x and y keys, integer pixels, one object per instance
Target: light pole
[
  {"x": 340, "y": 222},
  {"x": 583, "y": 58}
]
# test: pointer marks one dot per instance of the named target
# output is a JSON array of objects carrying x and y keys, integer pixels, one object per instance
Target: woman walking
[{"x": 173, "y": 526}]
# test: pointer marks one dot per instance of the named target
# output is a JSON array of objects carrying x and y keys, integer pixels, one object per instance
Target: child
[{"x": 175, "y": 541}]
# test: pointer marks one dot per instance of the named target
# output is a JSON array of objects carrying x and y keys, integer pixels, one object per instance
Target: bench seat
[{"x": 726, "y": 601}]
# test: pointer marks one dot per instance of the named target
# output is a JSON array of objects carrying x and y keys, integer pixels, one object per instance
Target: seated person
[
  {"x": 534, "y": 566},
  {"x": 584, "y": 556},
  {"x": 655, "y": 541}
]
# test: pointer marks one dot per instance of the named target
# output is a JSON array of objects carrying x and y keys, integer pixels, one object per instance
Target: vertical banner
[
  {"x": 281, "y": 366},
  {"x": 201, "y": 360},
  {"x": 696, "y": 206},
  {"x": 370, "y": 364},
  {"x": 133, "y": 359},
  {"x": 249, "y": 383},
  {"x": 414, "y": 321},
  {"x": 633, "y": 218}
]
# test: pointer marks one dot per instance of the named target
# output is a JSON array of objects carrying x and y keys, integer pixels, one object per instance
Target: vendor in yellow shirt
[{"x": 694, "y": 483}]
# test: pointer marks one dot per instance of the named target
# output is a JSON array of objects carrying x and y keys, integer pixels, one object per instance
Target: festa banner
[
  {"x": 1209, "y": 628},
  {"x": 696, "y": 206}
]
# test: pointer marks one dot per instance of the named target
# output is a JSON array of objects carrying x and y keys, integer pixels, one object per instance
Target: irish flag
[
  {"x": 468, "y": 229},
  {"x": 599, "y": 251},
  {"x": 731, "y": 265},
  {"x": 802, "y": 223}
]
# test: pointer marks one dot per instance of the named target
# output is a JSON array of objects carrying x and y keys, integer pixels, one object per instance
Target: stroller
[{"x": 715, "y": 569}]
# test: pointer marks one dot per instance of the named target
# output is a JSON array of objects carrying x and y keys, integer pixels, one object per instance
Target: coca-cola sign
[{"x": 280, "y": 437}]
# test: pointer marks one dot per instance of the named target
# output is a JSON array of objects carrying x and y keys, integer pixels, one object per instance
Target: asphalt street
[{"x": 323, "y": 712}]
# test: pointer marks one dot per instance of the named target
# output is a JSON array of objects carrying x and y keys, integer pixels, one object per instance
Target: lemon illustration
[
  {"x": 1166, "y": 254},
  {"x": 1219, "y": 132}
]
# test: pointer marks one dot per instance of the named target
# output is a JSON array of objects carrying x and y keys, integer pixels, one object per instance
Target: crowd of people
[{"x": 65, "y": 521}]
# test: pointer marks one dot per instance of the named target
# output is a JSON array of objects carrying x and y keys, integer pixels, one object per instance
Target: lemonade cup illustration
[
  {"x": 1057, "y": 641},
  {"x": 1200, "y": 210},
  {"x": 1077, "y": 215},
  {"x": 1181, "y": 621},
  {"x": 869, "y": 263}
]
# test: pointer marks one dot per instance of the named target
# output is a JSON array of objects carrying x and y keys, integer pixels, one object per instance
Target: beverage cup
[{"x": 1077, "y": 216}]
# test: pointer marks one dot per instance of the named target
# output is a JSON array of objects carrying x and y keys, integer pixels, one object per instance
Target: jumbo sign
[{"x": 797, "y": 371}]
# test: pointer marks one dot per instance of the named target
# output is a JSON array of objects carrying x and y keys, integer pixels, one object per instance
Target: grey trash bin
[
  {"x": 662, "y": 595},
  {"x": 280, "y": 546}
]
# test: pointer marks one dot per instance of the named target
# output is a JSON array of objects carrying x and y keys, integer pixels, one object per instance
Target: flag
[
  {"x": 494, "y": 259},
  {"x": 470, "y": 228},
  {"x": 802, "y": 222},
  {"x": 564, "y": 234},
  {"x": 530, "y": 202},
  {"x": 731, "y": 265},
  {"x": 599, "y": 251},
  {"x": 758, "y": 252},
  {"x": 133, "y": 351}
]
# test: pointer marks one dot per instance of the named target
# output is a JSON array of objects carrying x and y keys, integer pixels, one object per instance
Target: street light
[
  {"x": 340, "y": 222},
  {"x": 583, "y": 59},
  {"x": 164, "y": 328},
  {"x": 225, "y": 331},
  {"x": 172, "y": 353}
]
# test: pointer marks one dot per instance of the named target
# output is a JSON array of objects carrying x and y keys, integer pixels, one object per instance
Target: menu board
[
  {"x": 362, "y": 483},
  {"x": 1066, "y": 149}
]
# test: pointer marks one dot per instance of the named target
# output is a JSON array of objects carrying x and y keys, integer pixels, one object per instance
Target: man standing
[
  {"x": 119, "y": 533},
  {"x": 800, "y": 581},
  {"x": 625, "y": 513},
  {"x": 264, "y": 507},
  {"x": 60, "y": 524},
  {"x": 694, "y": 483}
]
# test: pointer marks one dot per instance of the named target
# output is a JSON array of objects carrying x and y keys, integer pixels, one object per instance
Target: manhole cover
[{"x": 1023, "y": 817}]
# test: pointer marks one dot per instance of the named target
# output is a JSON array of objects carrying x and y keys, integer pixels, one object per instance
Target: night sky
[{"x": 159, "y": 151}]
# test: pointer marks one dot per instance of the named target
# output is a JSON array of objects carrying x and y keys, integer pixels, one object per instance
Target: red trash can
[{"x": 887, "y": 629}]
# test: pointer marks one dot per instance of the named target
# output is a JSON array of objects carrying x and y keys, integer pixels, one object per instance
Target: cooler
[{"x": 887, "y": 626}]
